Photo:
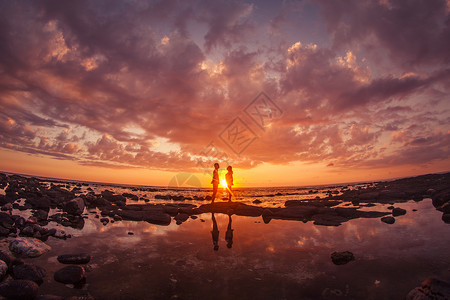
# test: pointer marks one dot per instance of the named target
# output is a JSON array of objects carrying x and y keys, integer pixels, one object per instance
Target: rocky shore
[{"x": 66, "y": 204}]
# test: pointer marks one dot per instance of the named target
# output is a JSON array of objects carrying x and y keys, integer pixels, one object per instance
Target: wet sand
[{"x": 276, "y": 253}]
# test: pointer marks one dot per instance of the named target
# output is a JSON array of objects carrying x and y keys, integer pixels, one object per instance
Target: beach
[{"x": 377, "y": 240}]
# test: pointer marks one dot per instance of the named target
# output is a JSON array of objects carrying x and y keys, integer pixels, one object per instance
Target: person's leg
[
  {"x": 229, "y": 194},
  {"x": 213, "y": 197}
]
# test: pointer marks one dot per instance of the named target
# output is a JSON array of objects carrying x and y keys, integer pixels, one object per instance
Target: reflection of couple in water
[
  {"x": 215, "y": 233},
  {"x": 215, "y": 182}
]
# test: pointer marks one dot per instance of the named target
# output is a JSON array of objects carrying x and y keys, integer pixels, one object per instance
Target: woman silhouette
[{"x": 229, "y": 180}]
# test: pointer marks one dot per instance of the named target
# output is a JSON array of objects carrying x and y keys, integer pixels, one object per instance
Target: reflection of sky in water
[{"x": 279, "y": 260}]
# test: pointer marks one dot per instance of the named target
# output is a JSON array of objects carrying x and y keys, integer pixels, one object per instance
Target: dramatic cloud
[{"x": 151, "y": 84}]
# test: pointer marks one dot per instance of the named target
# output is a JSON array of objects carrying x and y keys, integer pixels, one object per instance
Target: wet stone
[
  {"x": 29, "y": 272},
  {"x": 397, "y": 211},
  {"x": 342, "y": 258},
  {"x": 70, "y": 275},
  {"x": 81, "y": 258},
  {"x": 19, "y": 289},
  {"x": 388, "y": 220}
]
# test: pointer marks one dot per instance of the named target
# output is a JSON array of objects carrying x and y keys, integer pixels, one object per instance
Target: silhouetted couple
[
  {"x": 215, "y": 233},
  {"x": 215, "y": 182}
]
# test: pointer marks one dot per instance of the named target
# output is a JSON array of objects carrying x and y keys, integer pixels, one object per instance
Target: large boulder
[
  {"x": 6, "y": 257},
  {"x": 19, "y": 289},
  {"x": 29, "y": 247},
  {"x": 70, "y": 275},
  {"x": 6, "y": 221},
  {"x": 29, "y": 272},
  {"x": 431, "y": 288},
  {"x": 74, "y": 206}
]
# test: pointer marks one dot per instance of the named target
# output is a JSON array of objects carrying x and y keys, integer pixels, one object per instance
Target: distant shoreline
[{"x": 61, "y": 180}]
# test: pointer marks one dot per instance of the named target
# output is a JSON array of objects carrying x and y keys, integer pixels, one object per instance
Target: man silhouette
[{"x": 215, "y": 181}]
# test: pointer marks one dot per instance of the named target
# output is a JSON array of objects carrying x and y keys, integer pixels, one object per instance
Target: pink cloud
[{"x": 101, "y": 83}]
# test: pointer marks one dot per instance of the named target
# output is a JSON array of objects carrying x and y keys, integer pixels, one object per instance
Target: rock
[
  {"x": 3, "y": 269},
  {"x": 70, "y": 275},
  {"x": 431, "y": 288},
  {"x": 29, "y": 272},
  {"x": 257, "y": 201},
  {"x": 27, "y": 231},
  {"x": 341, "y": 258},
  {"x": 6, "y": 221},
  {"x": 181, "y": 217},
  {"x": 7, "y": 207},
  {"x": 388, "y": 220},
  {"x": 4, "y": 231},
  {"x": 131, "y": 196},
  {"x": 329, "y": 220},
  {"x": 104, "y": 221},
  {"x": 446, "y": 218},
  {"x": 29, "y": 247},
  {"x": 397, "y": 211},
  {"x": 19, "y": 289},
  {"x": 41, "y": 215},
  {"x": 81, "y": 258},
  {"x": 75, "y": 206},
  {"x": 6, "y": 257}
]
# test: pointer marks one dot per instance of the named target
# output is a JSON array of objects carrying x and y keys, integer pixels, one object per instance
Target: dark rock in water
[
  {"x": 81, "y": 258},
  {"x": 130, "y": 196},
  {"x": 171, "y": 210},
  {"x": 445, "y": 208},
  {"x": 70, "y": 275},
  {"x": 104, "y": 221},
  {"x": 19, "y": 289},
  {"x": 4, "y": 231},
  {"x": 390, "y": 207},
  {"x": 397, "y": 211},
  {"x": 6, "y": 221},
  {"x": 110, "y": 196},
  {"x": 39, "y": 202},
  {"x": 431, "y": 288},
  {"x": 7, "y": 207},
  {"x": 181, "y": 217},
  {"x": 257, "y": 201},
  {"x": 247, "y": 210},
  {"x": 152, "y": 216},
  {"x": 341, "y": 258},
  {"x": 130, "y": 233},
  {"x": 75, "y": 206},
  {"x": 3, "y": 269},
  {"x": 446, "y": 218},
  {"x": 388, "y": 220},
  {"x": 329, "y": 220},
  {"x": 41, "y": 215},
  {"x": 194, "y": 217},
  {"x": 29, "y": 272},
  {"x": 27, "y": 231},
  {"x": 6, "y": 257}
]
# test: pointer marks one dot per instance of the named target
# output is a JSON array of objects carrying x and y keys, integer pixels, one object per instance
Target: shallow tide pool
[{"x": 278, "y": 260}]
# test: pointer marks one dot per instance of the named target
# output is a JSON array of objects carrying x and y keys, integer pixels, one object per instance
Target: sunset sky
[{"x": 287, "y": 92}]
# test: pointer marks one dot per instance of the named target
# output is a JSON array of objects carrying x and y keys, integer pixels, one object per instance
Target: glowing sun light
[{"x": 223, "y": 183}]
